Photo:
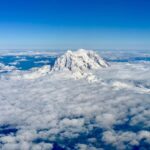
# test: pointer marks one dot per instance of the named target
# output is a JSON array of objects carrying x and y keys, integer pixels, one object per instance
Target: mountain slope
[{"x": 79, "y": 62}]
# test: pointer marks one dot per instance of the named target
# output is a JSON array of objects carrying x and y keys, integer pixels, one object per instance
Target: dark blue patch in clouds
[
  {"x": 63, "y": 143},
  {"x": 7, "y": 129},
  {"x": 57, "y": 147},
  {"x": 27, "y": 62}
]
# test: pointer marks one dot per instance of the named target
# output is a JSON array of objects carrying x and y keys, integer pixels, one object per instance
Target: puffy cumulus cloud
[
  {"x": 72, "y": 122},
  {"x": 106, "y": 120},
  {"x": 27, "y": 146},
  {"x": 55, "y": 111},
  {"x": 127, "y": 139}
]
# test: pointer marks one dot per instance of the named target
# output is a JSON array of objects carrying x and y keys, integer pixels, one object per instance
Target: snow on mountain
[
  {"x": 79, "y": 60},
  {"x": 80, "y": 63}
]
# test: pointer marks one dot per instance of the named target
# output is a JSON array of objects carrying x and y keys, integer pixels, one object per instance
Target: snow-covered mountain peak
[{"x": 79, "y": 62}]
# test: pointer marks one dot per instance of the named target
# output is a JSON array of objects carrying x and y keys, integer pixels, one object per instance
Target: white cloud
[
  {"x": 6, "y": 68},
  {"x": 56, "y": 108}
]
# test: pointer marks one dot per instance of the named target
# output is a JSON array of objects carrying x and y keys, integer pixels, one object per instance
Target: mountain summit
[{"x": 79, "y": 62}]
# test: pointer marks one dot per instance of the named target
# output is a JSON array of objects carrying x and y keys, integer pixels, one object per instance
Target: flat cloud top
[{"x": 54, "y": 110}]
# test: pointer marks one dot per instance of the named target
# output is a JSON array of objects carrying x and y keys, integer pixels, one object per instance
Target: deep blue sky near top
[{"x": 52, "y": 24}]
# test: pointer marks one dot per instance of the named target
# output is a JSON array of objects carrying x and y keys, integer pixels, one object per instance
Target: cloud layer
[{"x": 56, "y": 111}]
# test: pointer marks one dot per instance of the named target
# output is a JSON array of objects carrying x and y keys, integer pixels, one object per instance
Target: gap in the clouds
[
  {"x": 142, "y": 146},
  {"x": 25, "y": 62},
  {"x": 127, "y": 127},
  {"x": 57, "y": 147},
  {"x": 62, "y": 142},
  {"x": 7, "y": 129}
]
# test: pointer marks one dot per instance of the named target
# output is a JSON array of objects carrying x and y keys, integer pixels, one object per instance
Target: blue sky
[{"x": 61, "y": 24}]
